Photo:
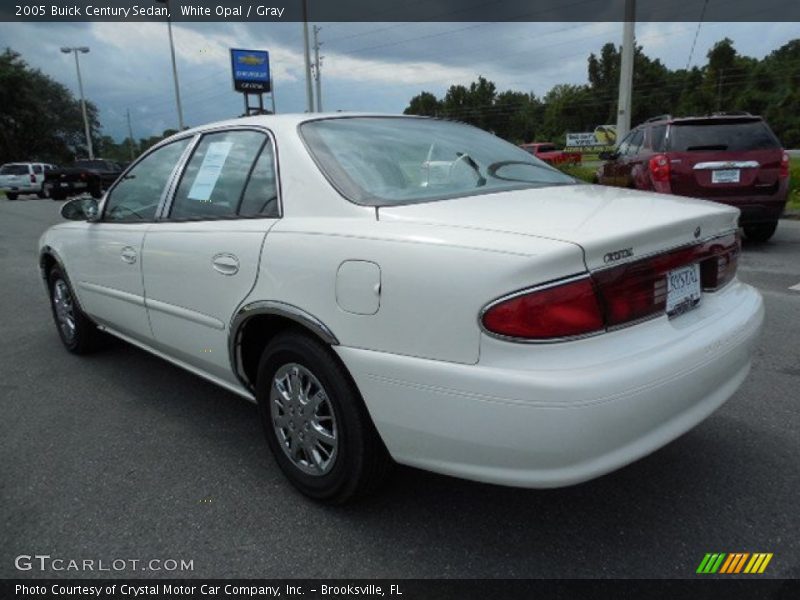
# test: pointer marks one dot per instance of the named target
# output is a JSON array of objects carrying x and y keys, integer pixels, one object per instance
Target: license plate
[
  {"x": 64, "y": 184},
  {"x": 683, "y": 289},
  {"x": 725, "y": 176}
]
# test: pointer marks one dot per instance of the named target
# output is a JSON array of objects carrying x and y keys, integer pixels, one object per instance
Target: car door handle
[
  {"x": 128, "y": 255},
  {"x": 227, "y": 264}
]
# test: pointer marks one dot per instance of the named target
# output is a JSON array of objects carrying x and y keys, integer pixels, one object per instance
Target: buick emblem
[{"x": 697, "y": 233}]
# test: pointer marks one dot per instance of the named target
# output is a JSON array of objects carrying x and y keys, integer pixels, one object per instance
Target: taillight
[
  {"x": 659, "y": 173},
  {"x": 611, "y": 297},
  {"x": 558, "y": 311},
  {"x": 638, "y": 290},
  {"x": 33, "y": 178},
  {"x": 784, "y": 171}
]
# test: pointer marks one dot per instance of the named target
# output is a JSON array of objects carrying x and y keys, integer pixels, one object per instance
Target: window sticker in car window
[{"x": 209, "y": 171}]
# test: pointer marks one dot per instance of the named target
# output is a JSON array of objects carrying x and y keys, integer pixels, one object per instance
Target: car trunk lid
[{"x": 611, "y": 225}]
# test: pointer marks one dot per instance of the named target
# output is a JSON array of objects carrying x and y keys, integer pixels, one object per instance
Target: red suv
[{"x": 730, "y": 158}]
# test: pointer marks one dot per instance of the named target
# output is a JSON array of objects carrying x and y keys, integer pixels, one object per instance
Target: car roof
[
  {"x": 290, "y": 120},
  {"x": 729, "y": 117}
]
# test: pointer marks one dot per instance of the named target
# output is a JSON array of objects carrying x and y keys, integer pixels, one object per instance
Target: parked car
[
  {"x": 24, "y": 178},
  {"x": 552, "y": 154},
  {"x": 504, "y": 323},
  {"x": 92, "y": 176},
  {"x": 734, "y": 159}
]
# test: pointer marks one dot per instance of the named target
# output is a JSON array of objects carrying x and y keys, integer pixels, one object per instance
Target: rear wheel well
[{"x": 255, "y": 334}]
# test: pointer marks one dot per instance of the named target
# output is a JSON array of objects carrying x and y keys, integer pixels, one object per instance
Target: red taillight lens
[
  {"x": 611, "y": 297},
  {"x": 784, "y": 171},
  {"x": 639, "y": 289},
  {"x": 660, "y": 173},
  {"x": 559, "y": 311},
  {"x": 33, "y": 178}
]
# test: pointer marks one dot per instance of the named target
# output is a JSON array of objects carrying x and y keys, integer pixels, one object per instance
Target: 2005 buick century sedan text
[{"x": 416, "y": 290}]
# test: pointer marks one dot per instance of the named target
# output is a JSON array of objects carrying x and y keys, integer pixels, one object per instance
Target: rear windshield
[
  {"x": 14, "y": 170},
  {"x": 731, "y": 136},
  {"x": 385, "y": 161}
]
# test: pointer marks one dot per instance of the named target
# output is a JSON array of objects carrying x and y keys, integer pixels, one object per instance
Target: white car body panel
[
  {"x": 108, "y": 286},
  {"x": 190, "y": 303},
  {"x": 404, "y": 312}
]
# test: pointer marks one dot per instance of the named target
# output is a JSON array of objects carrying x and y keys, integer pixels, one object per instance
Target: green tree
[
  {"x": 40, "y": 119},
  {"x": 424, "y": 104}
]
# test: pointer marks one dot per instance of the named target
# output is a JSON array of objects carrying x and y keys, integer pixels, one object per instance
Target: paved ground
[{"x": 121, "y": 455}]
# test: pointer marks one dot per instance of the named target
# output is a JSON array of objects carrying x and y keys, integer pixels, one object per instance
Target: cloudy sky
[{"x": 367, "y": 66}]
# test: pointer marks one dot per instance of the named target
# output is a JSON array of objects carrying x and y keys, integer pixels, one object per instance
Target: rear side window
[
  {"x": 730, "y": 136},
  {"x": 635, "y": 143},
  {"x": 214, "y": 180},
  {"x": 657, "y": 136},
  {"x": 37, "y": 169},
  {"x": 14, "y": 170},
  {"x": 261, "y": 194}
]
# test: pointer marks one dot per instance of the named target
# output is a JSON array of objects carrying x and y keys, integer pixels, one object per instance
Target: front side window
[
  {"x": 135, "y": 198},
  {"x": 213, "y": 183},
  {"x": 385, "y": 161}
]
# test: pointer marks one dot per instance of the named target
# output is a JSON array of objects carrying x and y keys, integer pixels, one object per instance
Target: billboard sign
[
  {"x": 604, "y": 137},
  {"x": 250, "y": 71}
]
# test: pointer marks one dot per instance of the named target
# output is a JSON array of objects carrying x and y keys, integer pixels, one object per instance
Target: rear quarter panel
[{"x": 434, "y": 280}]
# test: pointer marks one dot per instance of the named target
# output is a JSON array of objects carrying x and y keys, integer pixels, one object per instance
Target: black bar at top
[{"x": 401, "y": 10}]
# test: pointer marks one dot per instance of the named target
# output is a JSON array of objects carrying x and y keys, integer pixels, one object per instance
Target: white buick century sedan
[{"x": 402, "y": 289}]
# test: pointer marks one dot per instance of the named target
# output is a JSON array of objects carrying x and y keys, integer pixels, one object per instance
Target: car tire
[
  {"x": 321, "y": 435},
  {"x": 11, "y": 196},
  {"x": 57, "y": 195},
  {"x": 77, "y": 331},
  {"x": 96, "y": 190},
  {"x": 41, "y": 194},
  {"x": 760, "y": 232}
]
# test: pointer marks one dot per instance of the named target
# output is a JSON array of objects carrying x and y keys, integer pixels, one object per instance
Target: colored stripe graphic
[
  {"x": 711, "y": 563},
  {"x": 733, "y": 563},
  {"x": 758, "y": 563}
]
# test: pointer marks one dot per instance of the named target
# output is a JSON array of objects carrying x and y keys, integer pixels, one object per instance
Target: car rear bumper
[
  {"x": 66, "y": 186},
  {"x": 21, "y": 189},
  {"x": 758, "y": 209},
  {"x": 555, "y": 415}
]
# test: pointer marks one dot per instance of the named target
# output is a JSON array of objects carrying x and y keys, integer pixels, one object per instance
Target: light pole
[
  {"x": 626, "y": 72},
  {"x": 174, "y": 67},
  {"x": 306, "y": 55},
  {"x": 76, "y": 51}
]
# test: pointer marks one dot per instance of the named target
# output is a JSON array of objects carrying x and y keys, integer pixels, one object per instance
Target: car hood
[{"x": 610, "y": 224}]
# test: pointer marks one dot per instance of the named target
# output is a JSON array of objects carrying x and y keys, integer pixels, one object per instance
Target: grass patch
[{"x": 579, "y": 172}]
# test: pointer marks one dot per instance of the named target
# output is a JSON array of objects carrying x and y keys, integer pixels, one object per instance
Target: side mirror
[{"x": 81, "y": 209}]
